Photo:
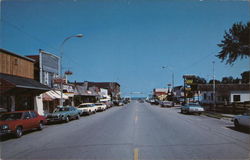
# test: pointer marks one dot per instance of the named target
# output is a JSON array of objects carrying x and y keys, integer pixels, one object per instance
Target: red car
[{"x": 19, "y": 121}]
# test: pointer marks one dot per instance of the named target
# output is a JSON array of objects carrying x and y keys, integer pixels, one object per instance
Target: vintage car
[
  {"x": 64, "y": 114},
  {"x": 19, "y": 121},
  {"x": 101, "y": 106},
  {"x": 166, "y": 103},
  {"x": 87, "y": 108},
  {"x": 192, "y": 108},
  {"x": 242, "y": 120}
]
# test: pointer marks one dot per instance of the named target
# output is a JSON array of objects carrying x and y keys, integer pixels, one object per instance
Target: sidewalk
[{"x": 219, "y": 115}]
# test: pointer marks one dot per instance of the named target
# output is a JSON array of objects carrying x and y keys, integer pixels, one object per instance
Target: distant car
[
  {"x": 101, "y": 106},
  {"x": 154, "y": 102},
  {"x": 166, "y": 104},
  {"x": 192, "y": 108},
  {"x": 141, "y": 101},
  {"x": 19, "y": 121},
  {"x": 64, "y": 113},
  {"x": 118, "y": 103},
  {"x": 87, "y": 108},
  {"x": 109, "y": 104},
  {"x": 242, "y": 120}
]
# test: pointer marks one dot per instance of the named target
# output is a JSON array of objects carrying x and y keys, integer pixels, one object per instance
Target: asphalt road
[{"x": 135, "y": 131}]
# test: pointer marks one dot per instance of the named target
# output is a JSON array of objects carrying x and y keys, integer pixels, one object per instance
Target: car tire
[
  {"x": 18, "y": 132},
  {"x": 78, "y": 117},
  {"x": 40, "y": 126},
  {"x": 236, "y": 123},
  {"x": 181, "y": 111}
]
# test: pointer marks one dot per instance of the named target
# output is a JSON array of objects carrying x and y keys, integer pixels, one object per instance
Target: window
[
  {"x": 15, "y": 62},
  {"x": 33, "y": 114},
  {"x": 205, "y": 96},
  {"x": 236, "y": 98},
  {"x": 212, "y": 96},
  {"x": 27, "y": 115}
]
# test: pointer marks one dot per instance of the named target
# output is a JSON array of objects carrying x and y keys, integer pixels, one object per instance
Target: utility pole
[{"x": 214, "y": 100}]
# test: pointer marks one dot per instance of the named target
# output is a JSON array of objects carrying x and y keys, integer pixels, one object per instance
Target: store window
[{"x": 236, "y": 98}]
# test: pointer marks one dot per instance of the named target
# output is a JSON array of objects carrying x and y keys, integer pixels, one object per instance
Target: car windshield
[
  {"x": 85, "y": 106},
  {"x": 11, "y": 116},
  {"x": 61, "y": 109},
  {"x": 98, "y": 104}
]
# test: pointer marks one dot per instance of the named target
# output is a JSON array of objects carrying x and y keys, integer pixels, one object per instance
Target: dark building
[
  {"x": 112, "y": 87},
  {"x": 18, "y": 89}
]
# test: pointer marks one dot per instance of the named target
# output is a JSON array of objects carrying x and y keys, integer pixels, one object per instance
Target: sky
[{"x": 127, "y": 41}]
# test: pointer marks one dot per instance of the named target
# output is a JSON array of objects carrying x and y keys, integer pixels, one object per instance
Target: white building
[{"x": 224, "y": 93}]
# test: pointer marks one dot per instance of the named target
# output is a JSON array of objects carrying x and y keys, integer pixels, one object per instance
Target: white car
[
  {"x": 192, "y": 108},
  {"x": 87, "y": 108},
  {"x": 101, "y": 106},
  {"x": 242, "y": 120}
]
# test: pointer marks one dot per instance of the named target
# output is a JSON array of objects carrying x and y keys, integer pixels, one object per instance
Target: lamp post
[
  {"x": 166, "y": 67},
  {"x": 214, "y": 97},
  {"x": 61, "y": 55}
]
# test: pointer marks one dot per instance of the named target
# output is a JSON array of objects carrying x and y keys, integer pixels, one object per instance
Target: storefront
[
  {"x": 51, "y": 99},
  {"x": 18, "y": 93}
]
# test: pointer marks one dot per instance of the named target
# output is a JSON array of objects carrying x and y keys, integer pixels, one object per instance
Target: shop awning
[
  {"x": 16, "y": 85},
  {"x": 46, "y": 97},
  {"x": 54, "y": 95},
  {"x": 64, "y": 96}
]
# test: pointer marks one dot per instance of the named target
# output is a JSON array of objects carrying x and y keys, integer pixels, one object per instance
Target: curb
[{"x": 217, "y": 115}]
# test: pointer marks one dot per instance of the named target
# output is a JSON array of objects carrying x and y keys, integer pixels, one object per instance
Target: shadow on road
[
  {"x": 242, "y": 130},
  {"x": 6, "y": 137}
]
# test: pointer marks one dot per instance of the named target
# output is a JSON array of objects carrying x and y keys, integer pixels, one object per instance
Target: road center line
[
  {"x": 136, "y": 119},
  {"x": 136, "y": 153}
]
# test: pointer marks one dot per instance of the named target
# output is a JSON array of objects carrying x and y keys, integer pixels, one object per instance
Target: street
[{"x": 134, "y": 131}]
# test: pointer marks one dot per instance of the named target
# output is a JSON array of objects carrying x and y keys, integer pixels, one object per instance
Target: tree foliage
[
  {"x": 245, "y": 77},
  {"x": 236, "y": 43}
]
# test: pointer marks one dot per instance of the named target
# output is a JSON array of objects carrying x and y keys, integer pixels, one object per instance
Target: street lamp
[
  {"x": 61, "y": 55},
  {"x": 166, "y": 67}
]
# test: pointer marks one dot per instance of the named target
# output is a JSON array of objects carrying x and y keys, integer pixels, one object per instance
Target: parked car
[
  {"x": 64, "y": 113},
  {"x": 192, "y": 108},
  {"x": 109, "y": 104},
  {"x": 118, "y": 103},
  {"x": 166, "y": 104},
  {"x": 101, "y": 106},
  {"x": 154, "y": 102},
  {"x": 242, "y": 120},
  {"x": 141, "y": 101},
  {"x": 19, "y": 121},
  {"x": 87, "y": 108}
]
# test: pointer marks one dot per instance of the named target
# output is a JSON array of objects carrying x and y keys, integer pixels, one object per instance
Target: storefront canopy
[
  {"x": 51, "y": 95},
  {"x": 16, "y": 85}
]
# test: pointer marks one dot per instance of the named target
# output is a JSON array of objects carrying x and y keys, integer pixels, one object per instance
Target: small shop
[
  {"x": 18, "y": 93},
  {"x": 51, "y": 99}
]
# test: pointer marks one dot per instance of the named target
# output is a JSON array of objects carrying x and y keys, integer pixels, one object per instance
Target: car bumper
[
  {"x": 5, "y": 132},
  {"x": 196, "y": 111},
  {"x": 54, "y": 119}
]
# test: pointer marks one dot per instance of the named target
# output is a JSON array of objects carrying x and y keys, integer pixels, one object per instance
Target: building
[
  {"x": 47, "y": 68},
  {"x": 112, "y": 87},
  {"x": 161, "y": 93},
  {"x": 18, "y": 89},
  {"x": 224, "y": 93},
  {"x": 47, "y": 71}
]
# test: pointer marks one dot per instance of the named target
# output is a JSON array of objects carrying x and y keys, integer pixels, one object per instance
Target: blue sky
[{"x": 127, "y": 41}]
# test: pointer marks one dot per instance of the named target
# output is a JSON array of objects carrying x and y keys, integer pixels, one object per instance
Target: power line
[{"x": 29, "y": 35}]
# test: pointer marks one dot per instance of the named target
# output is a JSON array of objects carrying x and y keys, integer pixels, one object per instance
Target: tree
[
  {"x": 245, "y": 77},
  {"x": 227, "y": 80},
  {"x": 236, "y": 43},
  {"x": 212, "y": 81}
]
